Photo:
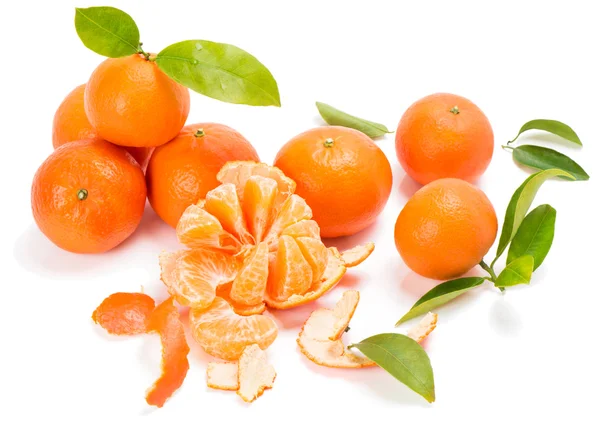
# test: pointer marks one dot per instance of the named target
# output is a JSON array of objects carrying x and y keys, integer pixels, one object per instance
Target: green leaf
[
  {"x": 517, "y": 272},
  {"x": 520, "y": 202},
  {"x": 404, "y": 359},
  {"x": 107, "y": 31},
  {"x": 535, "y": 236},
  {"x": 440, "y": 295},
  {"x": 551, "y": 126},
  {"x": 220, "y": 71},
  {"x": 545, "y": 159},
  {"x": 333, "y": 116}
]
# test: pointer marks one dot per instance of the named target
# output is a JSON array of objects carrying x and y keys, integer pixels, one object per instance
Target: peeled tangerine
[
  {"x": 251, "y": 244},
  {"x": 320, "y": 337}
]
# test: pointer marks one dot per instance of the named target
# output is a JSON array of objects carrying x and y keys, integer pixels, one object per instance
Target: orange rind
[
  {"x": 224, "y": 334},
  {"x": 354, "y": 256},
  {"x": 422, "y": 329},
  {"x": 165, "y": 321},
  {"x": 124, "y": 313},
  {"x": 222, "y": 376},
  {"x": 320, "y": 337},
  {"x": 255, "y": 374}
]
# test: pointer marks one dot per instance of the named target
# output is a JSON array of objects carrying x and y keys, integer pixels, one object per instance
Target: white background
[{"x": 531, "y": 354}]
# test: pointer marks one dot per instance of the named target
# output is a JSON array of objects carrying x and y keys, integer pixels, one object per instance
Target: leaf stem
[
  {"x": 507, "y": 147},
  {"x": 488, "y": 269},
  {"x": 143, "y": 53}
]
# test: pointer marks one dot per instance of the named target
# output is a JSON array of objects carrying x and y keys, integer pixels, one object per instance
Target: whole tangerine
[
  {"x": 131, "y": 102},
  {"x": 71, "y": 124},
  {"x": 444, "y": 135},
  {"x": 344, "y": 177},
  {"x": 182, "y": 171},
  {"x": 445, "y": 229},
  {"x": 88, "y": 196}
]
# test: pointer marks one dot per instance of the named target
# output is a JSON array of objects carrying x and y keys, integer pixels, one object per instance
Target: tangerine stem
[
  {"x": 328, "y": 142},
  {"x": 200, "y": 133},
  {"x": 455, "y": 110},
  {"x": 143, "y": 53},
  {"x": 82, "y": 194},
  {"x": 488, "y": 269}
]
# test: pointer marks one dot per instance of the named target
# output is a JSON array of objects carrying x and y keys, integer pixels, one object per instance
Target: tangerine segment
[
  {"x": 199, "y": 229},
  {"x": 343, "y": 311},
  {"x": 224, "y": 334},
  {"x": 238, "y": 173},
  {"x": 292, "y": 211},
  {"x": 333, "y": 274},
  {"x": 124, "y": 313},
  {"x": 255, "y": 374},
  {"x": 249, "y": 285},
  {"x": 165, "y": 321},
  {"x": 224, "y": 204},
  {"x": 222, "y": 376},
  {"x": 224, "y": 291},
  {"x": 315, "y": 253},
  {"x": 354, "y": 256},
  {"x": 258, "y": 205},
  {"x": 289, "y": 273},
  {"x": 197, "y": 274},
  {"x": 422, "y": 329},
  {"x": 303, "y": 228}
]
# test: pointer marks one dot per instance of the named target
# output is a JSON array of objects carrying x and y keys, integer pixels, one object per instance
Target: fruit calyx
[
  {"x": 455, "y": 110},
  {"x": 200, "y": 133},
  {"x": 328, "y": 143},
  {"x": 82, "y": 194}
]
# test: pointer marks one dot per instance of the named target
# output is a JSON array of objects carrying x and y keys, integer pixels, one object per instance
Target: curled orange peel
[
  {"x": 222, "y": 376},
  {"x": 255, "y": 374},
  {"x": 165, "y": 321},
  {"x": 422, "y": 329},
  {"x": 124, "y": 313}
]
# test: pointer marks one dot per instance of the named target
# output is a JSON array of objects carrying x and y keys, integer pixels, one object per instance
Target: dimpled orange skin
[
  {"x": 131, "y": 102},
  {"x": 114, "y": 199},
  {"x": 346, "y": 184},
  {"x": 181, "y": 172},
  {"x": 71, "y": 124},
  {"x": 433, "y": 142},
  {"x": 445, "y": 229}
]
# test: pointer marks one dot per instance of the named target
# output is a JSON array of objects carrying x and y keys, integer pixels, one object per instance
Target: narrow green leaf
[
  {"x": 551, "y": 126},
  {"x": 517, "y": 272},
  {"x": 535, "y": 236},
  {"x": 520, "y": 202},
  {"x": 107, "y": 31},
  {"x": 220, "y": 71},
  {"x": 440, "y": 295},
  {"x": 545, "y": 159},
  {"x": 404, "y": 359},
  {"x": 333, "y": 116}
]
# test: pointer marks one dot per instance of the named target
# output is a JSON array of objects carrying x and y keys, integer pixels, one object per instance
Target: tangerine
[
  {"x": 445, "y": 229},
  {"x": 88, "y": 196},
  {"x": 344, "y": 177},
  {"x": 131, "y": 102},
  {"x": 444, "y": 135},
  {"x": 182, "y": 171}
]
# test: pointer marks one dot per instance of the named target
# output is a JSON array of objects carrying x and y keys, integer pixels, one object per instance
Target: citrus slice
[
  {"x": 192, "y": 276},
  {"x": 315, "y": 253},
  {"x": 260, "y": 194},
  {"x": 224, "y": 291},
  {"x": 343, "y": 312},
  {"x": 422, "y": 329},
  {"x": 316, "y": 340},
  {"x": 333, "y": 274},
  {"x": 289, "y": 273},
  {"x": 354, "y": 256},
  {"x": 303, "y": 228},
  {"x": 238, "y": 173},
  {"x": 255, "y": 374},
  {"x": 165, "y": 321},
  {"x": 293, "y": 210},
  {"x": 199, "y": 229},
  {"x": 224, "y": 334},
  {"x": 223, "y": 204},
  {"x": 249, "y": 285},
  {"x": 124, "y": 313},
  {"x": 222, "y": 376}
]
